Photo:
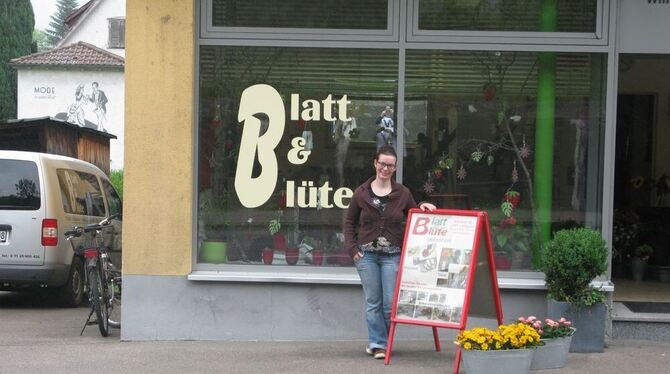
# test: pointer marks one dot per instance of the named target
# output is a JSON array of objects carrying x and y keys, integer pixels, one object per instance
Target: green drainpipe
[{"x": 544, "y": 132}]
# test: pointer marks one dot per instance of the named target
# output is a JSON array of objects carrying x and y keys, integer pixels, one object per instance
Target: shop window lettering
[{"x": 262, "y": 99}]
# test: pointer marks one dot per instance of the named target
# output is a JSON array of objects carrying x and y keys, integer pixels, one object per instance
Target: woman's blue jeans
[{"x": 378, "y": 276}]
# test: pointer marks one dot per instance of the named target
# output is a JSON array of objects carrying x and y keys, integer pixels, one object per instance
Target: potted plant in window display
[
  {"x": 639, "y": 259},
  {"x": 625, "y": 236},
  {"x": 507, "y": 350},
  {"x": 314, "y": 248},
  {"x": 213, "y": 230},
  {"x": 570, "y": 261},
  {"x": 512, "y": 244},
  {"x": 557, "y": 336}
]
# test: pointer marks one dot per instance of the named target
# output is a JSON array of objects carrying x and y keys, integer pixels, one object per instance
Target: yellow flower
[{"x": 467, "y": 345}]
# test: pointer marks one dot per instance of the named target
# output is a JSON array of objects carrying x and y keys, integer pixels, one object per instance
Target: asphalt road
[{"x": 36, "y": 336}]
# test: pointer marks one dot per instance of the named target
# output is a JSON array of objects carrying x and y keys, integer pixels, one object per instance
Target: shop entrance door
[{"x": 641, "y": 234}]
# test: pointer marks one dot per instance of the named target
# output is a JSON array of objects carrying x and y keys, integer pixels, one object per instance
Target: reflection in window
[
  {"x": 301, "y": 14},
  {"x": 290, "y": 227},
  {"x": 495, "y": 15},
  {"x": 476, "y": 147}
]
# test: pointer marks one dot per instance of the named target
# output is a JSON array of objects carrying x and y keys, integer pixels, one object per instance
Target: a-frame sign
[{"x": 446, "y": 273}]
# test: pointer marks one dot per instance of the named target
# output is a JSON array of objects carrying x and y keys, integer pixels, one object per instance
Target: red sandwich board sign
[{"x": 446, "y": 273}]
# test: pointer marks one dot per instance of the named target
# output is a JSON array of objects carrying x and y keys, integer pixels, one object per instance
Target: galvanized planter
[
  {"x": 589, "y": 322},
  {"x": 553, "y": 354},
  {"x": 511, "y": 361}
]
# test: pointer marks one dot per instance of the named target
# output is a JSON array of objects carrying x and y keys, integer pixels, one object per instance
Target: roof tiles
[{"x": 77, "y": 54}]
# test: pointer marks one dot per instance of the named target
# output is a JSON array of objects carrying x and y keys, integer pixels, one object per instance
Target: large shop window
[
  {"x": 477, "y": 146},
  {"x": 578, "y": 16},
  {"x": 246, "y": 93}
]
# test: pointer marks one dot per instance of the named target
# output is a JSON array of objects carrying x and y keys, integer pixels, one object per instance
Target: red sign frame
[{"x": 477, "y": 260}]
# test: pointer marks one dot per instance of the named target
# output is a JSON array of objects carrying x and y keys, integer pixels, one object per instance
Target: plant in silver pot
[{"x": 570, "y": 261}]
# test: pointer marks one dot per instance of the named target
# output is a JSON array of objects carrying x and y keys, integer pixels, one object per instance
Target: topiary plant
[{"x": 570, "y": 261}]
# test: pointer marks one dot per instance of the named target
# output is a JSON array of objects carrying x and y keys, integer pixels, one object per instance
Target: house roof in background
[
  {"x": 76, "y": 18},
  {"x": 76, "y": 15},
  {"x": 77, "y": 54}
]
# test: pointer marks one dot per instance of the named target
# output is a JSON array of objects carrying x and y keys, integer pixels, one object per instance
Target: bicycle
[{"x": 102, "y": 278}]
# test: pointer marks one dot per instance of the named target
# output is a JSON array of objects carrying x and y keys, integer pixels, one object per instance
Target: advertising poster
[{"x": 435, "y": 268}]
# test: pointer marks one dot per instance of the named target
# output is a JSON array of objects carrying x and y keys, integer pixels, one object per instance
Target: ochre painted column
[
  {"x": 544, "y": 131},
  {"x": 158, "y": 167}
]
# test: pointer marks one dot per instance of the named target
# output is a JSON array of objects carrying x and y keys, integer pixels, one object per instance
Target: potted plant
[
  {"x": 512, "y": 244},
  {"x": 557, "y": 336},
  {"x": 570, "y": 261},
  {"x": 507, "y": 350},
  {"x": 215, "y": 226},
  {"x": 314, "y": 248},
  {"x": 639, "y": 259}
]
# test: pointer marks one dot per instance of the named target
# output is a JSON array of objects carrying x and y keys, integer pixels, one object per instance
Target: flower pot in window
[
  {"x": 213, "y": 251},
  {"x": 292, "y": 255},
  {"x": 267, "y": 254},
  {"x": 317, "y": 257},
  {"x": 279, "y": 241}
]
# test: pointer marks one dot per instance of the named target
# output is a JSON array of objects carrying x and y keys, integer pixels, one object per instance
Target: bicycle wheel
[
  {"x": 115, "y": 301},
  {"x": 99, "y": 300}
]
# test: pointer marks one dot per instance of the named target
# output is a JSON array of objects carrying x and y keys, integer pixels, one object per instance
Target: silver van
[{"x": 42, "y": 196}]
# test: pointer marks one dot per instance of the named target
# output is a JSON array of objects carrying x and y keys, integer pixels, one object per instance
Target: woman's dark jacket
[{"x": 364, "y": 222}]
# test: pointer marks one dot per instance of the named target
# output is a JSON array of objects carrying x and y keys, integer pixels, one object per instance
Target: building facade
[{"x": 264, "y": 116}]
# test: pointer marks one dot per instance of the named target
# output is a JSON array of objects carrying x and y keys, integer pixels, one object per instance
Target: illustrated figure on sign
[
  {"x": 99, "y": 99},
  {"x": 75, "y": 111}
]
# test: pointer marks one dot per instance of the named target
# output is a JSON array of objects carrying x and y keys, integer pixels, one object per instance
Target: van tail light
[{"x": 49, "y": 232}]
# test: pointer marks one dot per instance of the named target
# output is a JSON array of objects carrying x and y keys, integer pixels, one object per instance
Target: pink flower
[
  {"x": 521, "y": 319},
  {"x": 567, "y": 323},
  {"x": 540, "y": 331},
  {"x": 532, "y": 318}
]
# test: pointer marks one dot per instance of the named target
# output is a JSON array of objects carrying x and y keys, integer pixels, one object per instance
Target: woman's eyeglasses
[{"x": 383, "y": 165}]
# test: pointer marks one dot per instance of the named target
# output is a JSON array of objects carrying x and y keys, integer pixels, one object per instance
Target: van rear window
[{"x": 19, "y": 185}]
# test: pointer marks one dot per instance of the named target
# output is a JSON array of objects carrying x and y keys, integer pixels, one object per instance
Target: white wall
[
  {"x": 643, "y": 26},
  {"x": 94, "y": 29},
  {"x": 51, "y": 92}
]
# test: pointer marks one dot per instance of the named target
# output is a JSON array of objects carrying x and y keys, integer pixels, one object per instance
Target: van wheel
[{"x": 72, "y": 293}]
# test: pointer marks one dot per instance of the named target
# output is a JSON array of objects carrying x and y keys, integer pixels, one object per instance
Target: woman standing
[{"x": 374, "y": 233}]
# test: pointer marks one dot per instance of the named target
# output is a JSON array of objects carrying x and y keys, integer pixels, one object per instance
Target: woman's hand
[
  {"x": 358, "y": 256},
  {"x": 427, "y": 207}
]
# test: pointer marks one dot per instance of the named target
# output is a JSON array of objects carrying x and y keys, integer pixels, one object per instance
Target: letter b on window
[{"x": 258, "y": 99}]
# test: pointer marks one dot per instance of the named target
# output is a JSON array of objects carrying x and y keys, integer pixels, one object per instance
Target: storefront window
[
  {"x": 254, "y": 103},
  {"x": 495, "y": 15},
  {"x": 477, "y": 145},
  {"x": 328, "y": 14}
]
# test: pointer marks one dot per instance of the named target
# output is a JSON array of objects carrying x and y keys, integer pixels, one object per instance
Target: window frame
[
  {"x": 120, "y": 23},
  {"x": 405, "y": 38},
  {"x": 600, "y": 36},
  {"x": 209, "y": 31}
]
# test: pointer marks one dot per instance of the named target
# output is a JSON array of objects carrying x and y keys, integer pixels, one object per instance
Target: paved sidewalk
[
  {"x": 90, "y": 354},
  {"x": 36, "y": 337}
]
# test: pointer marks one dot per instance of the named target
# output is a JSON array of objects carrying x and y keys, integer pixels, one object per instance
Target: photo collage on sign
[{"x": 441, "y": 274}]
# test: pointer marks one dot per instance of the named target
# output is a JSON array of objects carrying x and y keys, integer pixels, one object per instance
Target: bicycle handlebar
[
  {"x": 75, "y": 232},
  {"x": 78, "y": 231},
  {"x": 98, "y": 226}
]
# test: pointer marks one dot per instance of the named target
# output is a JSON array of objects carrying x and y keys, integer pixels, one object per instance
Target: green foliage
[
  {"x": 570, "y": 261},
  {"x": 57, "y": 28},
  {"x": 40, "y": 41},
  {"x": 16, "y": 27},
  {"x": 116, "y": 177}
]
